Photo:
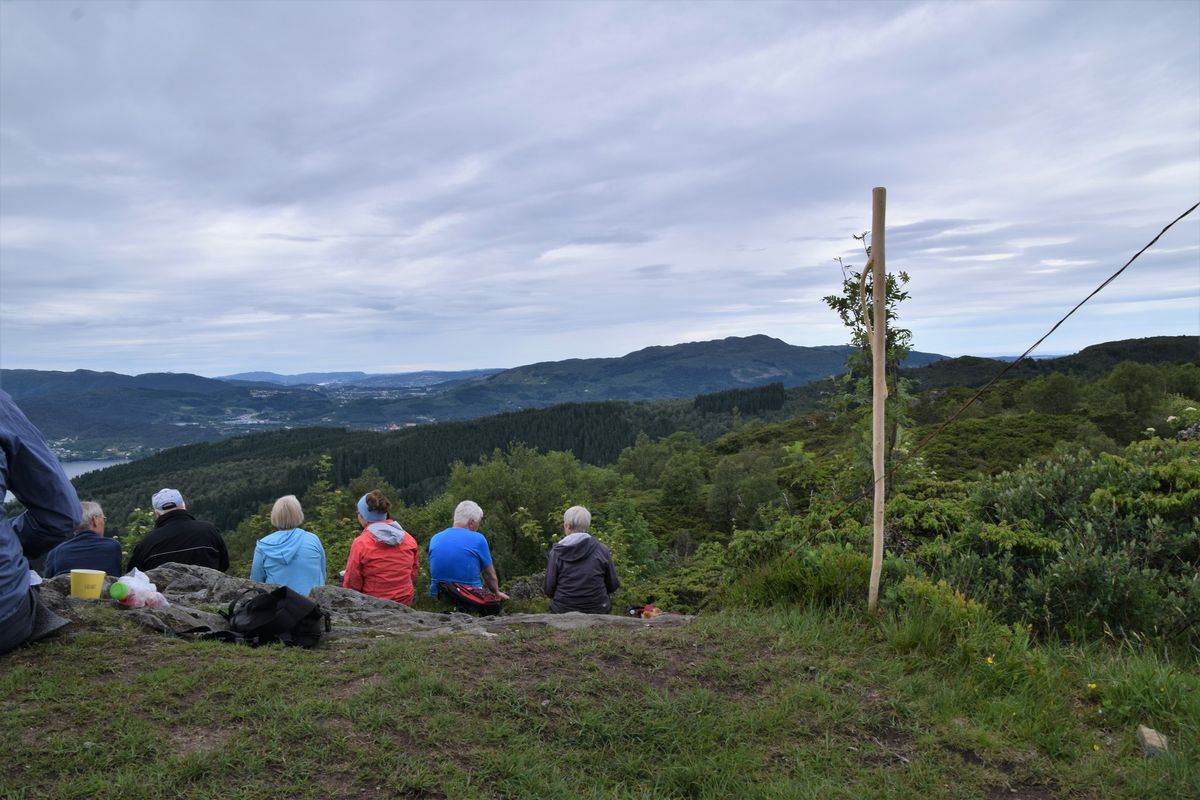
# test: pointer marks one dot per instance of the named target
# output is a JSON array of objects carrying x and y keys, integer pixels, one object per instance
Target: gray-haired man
[
  {"x": 460, "y": 554},
  {"x": 88, "y": 549}
]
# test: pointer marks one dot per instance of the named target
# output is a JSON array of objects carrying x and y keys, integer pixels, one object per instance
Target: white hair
[
  {"x": 577, "y": 518},
  {"x": 287, "y": 513},
  {"x": 90, "y": 512},
  {"x": 465, "y": 512}
]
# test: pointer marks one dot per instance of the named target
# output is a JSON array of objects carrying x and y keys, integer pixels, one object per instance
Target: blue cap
[{"x": 166, "y": 499}]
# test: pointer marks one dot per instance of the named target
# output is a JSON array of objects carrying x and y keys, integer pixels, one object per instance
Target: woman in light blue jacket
[{"x": 291, "y": 556}]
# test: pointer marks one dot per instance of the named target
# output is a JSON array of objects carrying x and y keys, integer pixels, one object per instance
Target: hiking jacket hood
[
  {"x": 580, "y": 575},
  {"x": 387, "y": 532},
  {"x": 576, "y": 547},
  {"x": 283, "y": 546}
]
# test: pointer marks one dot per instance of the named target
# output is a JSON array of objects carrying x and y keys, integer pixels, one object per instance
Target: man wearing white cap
[{"x": 178, "y": 537}]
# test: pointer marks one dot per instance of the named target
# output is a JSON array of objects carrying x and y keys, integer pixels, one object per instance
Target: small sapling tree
[{"x": 850, "y": 307}]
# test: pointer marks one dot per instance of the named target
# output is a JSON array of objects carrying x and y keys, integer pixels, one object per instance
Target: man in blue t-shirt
[
  {"x": 461, "y": 554},
  {"x": 89, "y": 549}
]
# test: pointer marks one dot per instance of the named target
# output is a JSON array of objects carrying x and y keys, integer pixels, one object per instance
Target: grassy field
[{"x": 785, "y": 704}]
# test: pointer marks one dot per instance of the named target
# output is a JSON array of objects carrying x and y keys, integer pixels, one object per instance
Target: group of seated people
[{"x": 383, "y": 560}]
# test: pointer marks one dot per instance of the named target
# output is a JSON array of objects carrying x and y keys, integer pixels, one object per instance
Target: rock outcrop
[{"x": 197, "y": 594}]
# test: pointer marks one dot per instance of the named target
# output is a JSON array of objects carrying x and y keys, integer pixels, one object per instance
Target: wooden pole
[{"x": 878, "y": 383}]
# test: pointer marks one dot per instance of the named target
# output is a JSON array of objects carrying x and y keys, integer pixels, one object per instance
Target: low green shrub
[
  {"x": 1088, "y": 590},
  {"x": 684, "y": 589},
  {"x": 1081, "y": 545},
  {"x": 940, "y": 623},
  {"x": 826, "y": 575},
  {"x": 751, "y": 547},
  {"x": 933, "y": 618}
]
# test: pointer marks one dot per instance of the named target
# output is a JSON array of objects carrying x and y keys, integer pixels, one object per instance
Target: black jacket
[
  {"x": 180, "y": 537},
  {"x": 580, "y": 575}
]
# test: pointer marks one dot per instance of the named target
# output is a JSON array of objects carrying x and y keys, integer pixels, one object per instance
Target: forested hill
[
  {"x": 1087, "y": 363},
  {"x": 683, "y": 370},
  {"x": 228, "y": 479},
  {"x": 89, "y": 414}
]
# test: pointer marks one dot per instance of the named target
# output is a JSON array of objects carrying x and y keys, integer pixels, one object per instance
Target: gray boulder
[{"x": 196, "y": 594}]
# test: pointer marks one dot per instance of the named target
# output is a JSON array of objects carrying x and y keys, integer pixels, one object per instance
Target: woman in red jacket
[{"x": 383, "y": 559}]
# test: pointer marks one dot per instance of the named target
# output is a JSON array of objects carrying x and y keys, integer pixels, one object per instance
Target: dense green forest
[{"x": 1062, "y": 503}]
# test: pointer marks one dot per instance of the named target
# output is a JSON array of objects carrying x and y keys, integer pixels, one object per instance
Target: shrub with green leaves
[
  {"x": 685, "y": 589},
  {"x": 1086, "y": 546},
  {"x": 826, "y": 575},
  {"x": 942, "y": 623}
]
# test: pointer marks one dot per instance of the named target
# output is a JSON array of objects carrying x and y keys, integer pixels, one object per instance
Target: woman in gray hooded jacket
[{"x": 580, "y": 574}]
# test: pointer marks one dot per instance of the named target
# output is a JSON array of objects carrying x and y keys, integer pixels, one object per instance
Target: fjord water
[{"x": 76, "y": 468}]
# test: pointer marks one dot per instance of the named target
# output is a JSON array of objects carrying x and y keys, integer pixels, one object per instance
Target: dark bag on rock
[
  {"x": 279, "y": 615},
  {"x": 472, "y": 599}
]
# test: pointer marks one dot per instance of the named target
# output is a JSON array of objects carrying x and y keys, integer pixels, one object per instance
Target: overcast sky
[{"x": 390, "y": 186}]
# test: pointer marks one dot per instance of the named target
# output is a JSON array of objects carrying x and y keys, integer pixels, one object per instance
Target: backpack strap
[{"x": 228, "y": 614}]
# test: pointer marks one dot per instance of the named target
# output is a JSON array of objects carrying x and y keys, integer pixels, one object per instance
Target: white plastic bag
[{"x": 135, "y": 590}]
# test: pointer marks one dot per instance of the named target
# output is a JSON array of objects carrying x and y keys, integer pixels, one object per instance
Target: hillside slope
[
  {"x": 87, "y": 414},
  {"x": 1088, "y": 362}
]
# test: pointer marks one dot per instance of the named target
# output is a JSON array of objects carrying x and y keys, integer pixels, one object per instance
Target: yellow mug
[{"x": 87, "y": 583}]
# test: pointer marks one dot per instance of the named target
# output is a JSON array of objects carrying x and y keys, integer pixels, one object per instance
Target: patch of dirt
[
  {"x": 966, "y": 754},
  {"x": 1021, "y": 791},
  {"x": 352, "y": 688},
  {"x": 341, "y": 786},
  {"x": 883, "y": 746},
  {"x": 199, "y": 740}
]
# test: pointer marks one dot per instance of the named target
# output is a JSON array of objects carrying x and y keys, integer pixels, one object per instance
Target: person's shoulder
[{"x": 203, "y": 525}]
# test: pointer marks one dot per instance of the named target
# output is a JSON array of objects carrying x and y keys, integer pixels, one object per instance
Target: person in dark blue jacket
[
  {"x": 31, "y": 472},
  {"x": 88, "y": 549},
  {"x": 580, "y": 574}
]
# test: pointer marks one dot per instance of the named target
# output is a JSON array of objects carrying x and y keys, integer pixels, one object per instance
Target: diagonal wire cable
[{"x": 929, "y": 439}]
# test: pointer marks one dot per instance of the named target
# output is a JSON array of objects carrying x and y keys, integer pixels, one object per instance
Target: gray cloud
[{"x": 302, "y": 186}]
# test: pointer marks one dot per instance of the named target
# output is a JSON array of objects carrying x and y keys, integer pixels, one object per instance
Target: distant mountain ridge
[
  {"x": 682, "y": 370},
  {"x": 89, "y": 414},
  {"x": 27, "y": 383}
]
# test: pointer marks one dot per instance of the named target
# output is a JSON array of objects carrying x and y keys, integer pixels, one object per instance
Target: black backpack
[{"x": 278, "y": 615}]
